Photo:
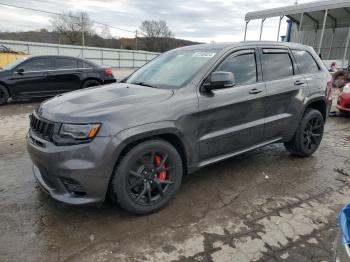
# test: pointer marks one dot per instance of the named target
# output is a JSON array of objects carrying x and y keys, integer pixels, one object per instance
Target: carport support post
[
  {"x": 322, "y": 32},
  {"x": 245, "y": 30},
  {"x": 279, "y": 27},
  {"x": 261, "y": 27},
  {"x": 331, "y": 45},
  {"x": 346, "y": 48},
  {"x": 299, "y": 30}
]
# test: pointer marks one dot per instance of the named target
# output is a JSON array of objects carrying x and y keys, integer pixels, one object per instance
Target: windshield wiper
[{"x": 143, "y": 84}]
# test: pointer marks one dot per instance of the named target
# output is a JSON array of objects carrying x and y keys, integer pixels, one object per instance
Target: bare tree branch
[
  {"x": 156, "y": 35},
  {"x": 71, "y": 25}
]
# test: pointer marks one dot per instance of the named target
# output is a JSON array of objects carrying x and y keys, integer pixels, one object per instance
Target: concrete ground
[{"x": 261, "y": 206}]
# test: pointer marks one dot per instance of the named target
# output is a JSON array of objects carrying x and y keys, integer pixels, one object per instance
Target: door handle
[
  {"x": 79, "y": 71},
  {"x": 299, "y": 82},
  {"x": 255, "y": 91},
  {"x": 48, "y": 73}
]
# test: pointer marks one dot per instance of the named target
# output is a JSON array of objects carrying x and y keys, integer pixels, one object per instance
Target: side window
[
  {"x": 86, "y": 65},
  {"x": 276, "y": 65},
  {"x": 243, "y": 66},
  {"x": 39, "y": 64},
  {"x": 306, "y": 63},
  {"x": 65, "y": 63}
]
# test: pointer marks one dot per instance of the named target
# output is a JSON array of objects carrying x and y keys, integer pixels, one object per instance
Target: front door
[
  {"x": 232, "y": 119},
  {"x": 33, "y": 78}
]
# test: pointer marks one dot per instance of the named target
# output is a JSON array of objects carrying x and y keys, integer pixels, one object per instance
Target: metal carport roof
[
  {"x": 316, "y": 16},
  {"x": 336, "y": 8}
]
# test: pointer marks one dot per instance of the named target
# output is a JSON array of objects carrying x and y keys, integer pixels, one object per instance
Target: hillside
[{"x": 45, "y": 36}]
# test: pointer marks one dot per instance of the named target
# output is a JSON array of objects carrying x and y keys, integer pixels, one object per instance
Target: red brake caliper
[{"x": 162, "y": 174}]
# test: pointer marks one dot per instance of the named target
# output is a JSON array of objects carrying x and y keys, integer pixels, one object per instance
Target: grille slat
[{"x": 41, "y": 128}]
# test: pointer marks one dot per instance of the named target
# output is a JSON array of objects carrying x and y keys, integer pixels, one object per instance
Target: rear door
[
  {"x": 67, "y": 74},
  {"x": 286, "y": 90},
  {"x": 35, "y": 80},
  {"x": 232, "y": 119},
  {"x": 308, "y": 67}
]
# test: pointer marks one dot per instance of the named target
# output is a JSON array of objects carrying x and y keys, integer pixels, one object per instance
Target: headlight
[
  {"x": 346, "y": 89},
  {"x": 79, "y": 131}
]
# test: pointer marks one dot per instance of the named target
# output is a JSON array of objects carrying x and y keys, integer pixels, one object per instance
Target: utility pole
[
  {"x": 83, "y": 35},
  {"x": 136, "y": 40}
]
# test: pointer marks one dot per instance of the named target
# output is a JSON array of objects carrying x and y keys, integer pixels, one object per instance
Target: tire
[
  {"x": 308, "y": 135},
  {"x": 141, "y": 185},
  {"x": 90, "y": 83},
  {"x": 4, "y": 95}
]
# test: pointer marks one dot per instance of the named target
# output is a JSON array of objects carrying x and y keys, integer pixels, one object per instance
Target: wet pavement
[{"x": 264, "y": 205}]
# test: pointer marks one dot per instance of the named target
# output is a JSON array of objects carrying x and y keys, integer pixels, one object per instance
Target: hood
[{"x": 98, "y": 101}]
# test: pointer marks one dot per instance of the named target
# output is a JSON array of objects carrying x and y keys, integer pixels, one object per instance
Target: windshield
[
  {"x": 15, "y": 63},
  {"x": 171, "y": 70}
]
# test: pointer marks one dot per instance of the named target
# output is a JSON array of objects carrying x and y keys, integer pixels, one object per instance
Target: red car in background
[
  {"x": 341, "y": 81},
  {"x": 343, "y": 103}
]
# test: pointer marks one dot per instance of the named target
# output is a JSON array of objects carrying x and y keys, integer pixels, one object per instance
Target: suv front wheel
[
  {"x": 308, "y": 135},
  {"x": 147, "y": 177}
]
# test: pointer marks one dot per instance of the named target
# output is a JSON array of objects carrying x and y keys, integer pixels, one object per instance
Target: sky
[{"x": 196, "y": 20}]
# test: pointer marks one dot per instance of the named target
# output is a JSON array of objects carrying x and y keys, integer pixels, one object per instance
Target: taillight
[{"x": 109, "y": 72}]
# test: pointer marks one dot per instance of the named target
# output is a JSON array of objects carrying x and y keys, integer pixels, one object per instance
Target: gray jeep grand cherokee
[{"x": 186, "y": 109}]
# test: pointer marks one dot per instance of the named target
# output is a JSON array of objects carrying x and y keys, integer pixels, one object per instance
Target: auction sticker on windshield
[{"x": 203, "y": 54}]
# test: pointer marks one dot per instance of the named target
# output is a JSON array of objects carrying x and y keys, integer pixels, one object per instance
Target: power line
[{"x": 53, "y": 13}]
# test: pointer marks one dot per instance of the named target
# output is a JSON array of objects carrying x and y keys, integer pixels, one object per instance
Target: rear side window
[
  {"x": 276, "y": 65},
  {"x": 39, "y": 64},
  {"x": 306, "y": 63},
  {"x": 86, "y": 65},
  {"x": 243, "y": 66},
  {"x": 65, "y": 63}
]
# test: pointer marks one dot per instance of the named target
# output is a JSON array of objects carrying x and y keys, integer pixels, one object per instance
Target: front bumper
[{"x": 77, "y": 174}]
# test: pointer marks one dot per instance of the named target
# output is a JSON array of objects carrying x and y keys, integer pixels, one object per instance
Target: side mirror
[
  {"x": 20, "y": 71},
  {"x": 219, "y": 80}
]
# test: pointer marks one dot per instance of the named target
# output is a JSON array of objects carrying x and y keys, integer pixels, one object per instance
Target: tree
[
  {"x": 72, "y": 26},
  {"x": 156, "y": 35},
  {"x": 106, "y": 32}
]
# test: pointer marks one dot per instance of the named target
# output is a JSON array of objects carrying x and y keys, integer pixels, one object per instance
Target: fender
[
  {"x": 316, "y": 99},
  {"x": 133, "y": 134}
]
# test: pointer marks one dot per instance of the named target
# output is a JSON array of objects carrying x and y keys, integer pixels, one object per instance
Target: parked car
[
  {"x": 343, "y": 103},
  {"x": 46, "y": 76},
  {"x": 186, "y": 109},
  {"x": 342, "y": 242}
]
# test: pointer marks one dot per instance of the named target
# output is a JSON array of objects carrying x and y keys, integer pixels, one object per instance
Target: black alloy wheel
[
  {"x": 150, "y": 178},
  {"x": 313, "y": 133},
  {"x": 147, "y": 177},
  {"x": 308, "y": 135}
]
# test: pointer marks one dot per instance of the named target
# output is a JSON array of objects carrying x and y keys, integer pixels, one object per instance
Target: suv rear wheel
[
  {"x": 147, "y": 177},
  {"x": 309, "y": 134},
  {"x": 4, "y": 95}
]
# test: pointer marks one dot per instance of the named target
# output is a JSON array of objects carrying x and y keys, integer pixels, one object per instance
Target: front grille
[{"x": 41, "y": 128}]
